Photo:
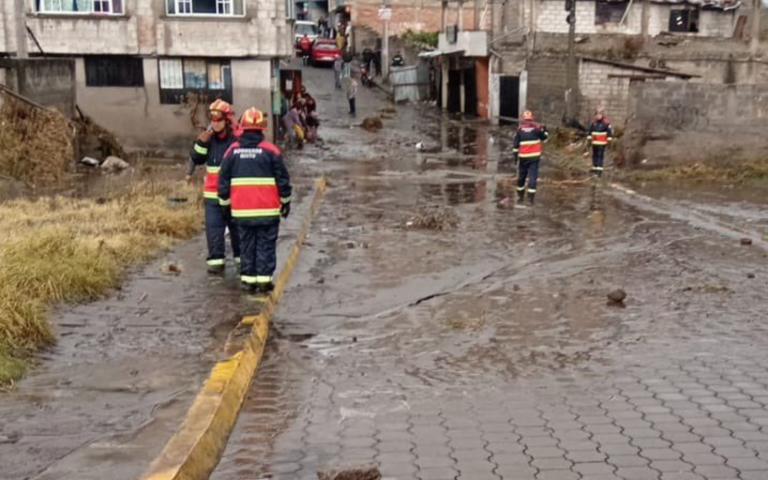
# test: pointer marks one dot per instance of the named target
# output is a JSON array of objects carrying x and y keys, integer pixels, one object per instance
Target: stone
[
  {"x": 617, "y": 296},
  {"x": 90, "y": 161},
  {"x": 746, "y": 241},
  {"x": 114, "y": 164}
]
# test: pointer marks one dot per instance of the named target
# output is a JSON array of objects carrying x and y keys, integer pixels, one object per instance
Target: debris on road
[
  {"x": 90, "y": 161},
  {"x": 360, "y": 472},
  {"x": 433, "y": 217},
  {"x": 617, "y": 297},
  {"x": 708, "y": 288},
  {"x": 750, "y": 275},
  {"x": 171, "y": 268},
  {"x": 746, "y": 241},
  {"x": 114, "y": 164},
  {"x": 372, "y": 124},
  {"x": 472, "y": 323}
]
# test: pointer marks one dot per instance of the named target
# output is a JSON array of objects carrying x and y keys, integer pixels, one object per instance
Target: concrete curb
[{"x": 195, "y": 449}]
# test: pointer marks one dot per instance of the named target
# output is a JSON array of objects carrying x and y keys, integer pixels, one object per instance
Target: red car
[{"x": 324, "y": 51}]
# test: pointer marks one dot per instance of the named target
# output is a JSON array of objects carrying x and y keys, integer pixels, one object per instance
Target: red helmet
[
  {"x": 220, "y": 109},
  {"x": 253, "y": 119},
  {"x": 528, "y": 116}
]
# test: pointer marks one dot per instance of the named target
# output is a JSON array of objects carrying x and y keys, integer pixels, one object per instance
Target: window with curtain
[
  {"x": 226, "y": 8},
  {"x": 178, "y": 77},
  {"x": 83, "y": 7}
]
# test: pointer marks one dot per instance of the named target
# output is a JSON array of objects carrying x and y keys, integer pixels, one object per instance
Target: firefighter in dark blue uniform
[
  {"x": 254, "y": 178},
  {"x": 527, "y": 150},
  {"x": 208, "y": 150},
  {"x": 599, "y": 136}
]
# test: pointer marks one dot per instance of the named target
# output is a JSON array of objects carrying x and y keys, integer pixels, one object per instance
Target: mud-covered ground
[
  {"x": 483, "y": 349},
  {"x": 488, "y": 349}
]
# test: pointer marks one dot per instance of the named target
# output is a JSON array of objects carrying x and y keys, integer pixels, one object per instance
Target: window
[
  {"x": 607, "y": 12},
  {"x": 179, "y": 77},
  {"x": 232, "y": 8},
  {"x": 114, "y": 71},
  {"x": 83, "y": 7},
  {"x": 684, "y": 20}
]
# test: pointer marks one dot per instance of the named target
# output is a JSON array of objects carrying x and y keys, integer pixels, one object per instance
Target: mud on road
[{"x": 488, "y": 349}]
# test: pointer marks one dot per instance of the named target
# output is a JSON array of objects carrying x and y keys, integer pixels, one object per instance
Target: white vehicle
[{"x": 304, "y": 27}]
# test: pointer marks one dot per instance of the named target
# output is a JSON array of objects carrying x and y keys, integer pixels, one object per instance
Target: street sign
[{"x": 385, "y": 13}]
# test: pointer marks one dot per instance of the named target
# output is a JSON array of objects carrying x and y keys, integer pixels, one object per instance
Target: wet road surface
[
  {"x": 488, "y": 350},
  {"x": 106, "y": 398}
]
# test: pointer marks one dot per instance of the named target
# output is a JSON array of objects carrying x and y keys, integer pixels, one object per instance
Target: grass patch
[
  {"x": 732, "y": 173},
  {"x": 58, "y": 249}
]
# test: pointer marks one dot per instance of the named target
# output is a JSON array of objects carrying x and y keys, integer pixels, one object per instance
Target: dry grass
[
  {"x": 36, "y": 146},
  {"x": 73, "y": 250},
  {"x": 735, "y": 173}
]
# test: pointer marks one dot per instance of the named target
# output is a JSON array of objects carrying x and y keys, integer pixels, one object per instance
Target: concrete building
[
  {"x": 146, "y": 69},
  {"x": 515, "y": 56}
]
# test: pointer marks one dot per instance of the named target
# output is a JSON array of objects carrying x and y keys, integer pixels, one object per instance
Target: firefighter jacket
[
  {"x": 211, "y": 154},
  {"x": 600, "y": 132},
  {"x": 254, "y": 178},
  {"x": 528, "y": 140}
]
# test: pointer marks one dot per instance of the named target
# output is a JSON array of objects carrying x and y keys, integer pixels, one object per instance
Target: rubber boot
[
  {"x": 520, "y": 196},
  {"x": 531, "y": 197},
  {"x": 266, "y": 288},
  {"x": 216, "y": 269}
]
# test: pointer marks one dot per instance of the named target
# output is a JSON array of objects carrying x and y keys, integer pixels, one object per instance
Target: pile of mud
[
  {"x": 356, "y": 472},
  {"x": 36, "y": 146},
  {"x": 372, "y": 124}
]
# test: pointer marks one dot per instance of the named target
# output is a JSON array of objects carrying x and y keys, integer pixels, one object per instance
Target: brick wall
[
  {"x": 419, "y": 16},
  {"x": 550, "y": 17},
  {"x": 546, "y": 88},
  {"x": 675, "y": 122}
]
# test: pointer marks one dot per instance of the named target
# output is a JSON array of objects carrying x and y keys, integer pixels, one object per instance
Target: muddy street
[
  {"x": 433, "y": 327},
  {"x": 483, "y": 345}
]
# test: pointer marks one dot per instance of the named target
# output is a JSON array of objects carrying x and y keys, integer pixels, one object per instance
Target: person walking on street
[
  {"x": 254, "y": 178},
  {"x": 527, "y": 148},
  {"x": 338, "y": 65},
  {"x": 600, "y": 134},
  {"x": 209, "y": 149},
  {"x": 352, "y": 95}
]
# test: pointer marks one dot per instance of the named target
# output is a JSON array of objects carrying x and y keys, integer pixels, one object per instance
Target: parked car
[
  {"x": 304, "y": 27},
  {"x": 324, "y": 51}
]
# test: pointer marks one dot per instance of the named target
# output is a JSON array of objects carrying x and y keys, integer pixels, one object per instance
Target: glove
[
  {"x": 285, "y": 210},
  {"x": 515, "y": 156}
]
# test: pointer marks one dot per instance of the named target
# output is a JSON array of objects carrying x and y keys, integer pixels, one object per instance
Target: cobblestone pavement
[{"x": 488, "y": 351}]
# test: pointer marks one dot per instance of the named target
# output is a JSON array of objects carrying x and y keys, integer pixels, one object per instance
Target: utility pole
[
  {"x": 572, "y": 81},
  {"x": 21, "y": 30},
  {"x": 385, "y": 13},
  {"x": 754, "y": 42}
]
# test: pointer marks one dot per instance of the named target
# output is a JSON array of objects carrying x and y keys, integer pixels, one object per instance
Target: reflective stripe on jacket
[
  {"x": 254, "y": 178},
  {"x": 528, "y": 140},
  {"x": 600, "y": 132},
  {"x": 211, "y": 154}
]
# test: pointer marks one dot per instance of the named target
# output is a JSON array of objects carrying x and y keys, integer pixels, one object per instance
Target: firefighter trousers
[
  {"x": 598, "y": 155},
  {"x": 528, "y": 169},
  {"x": 259, "y": 253},
  {"x": 216, "y": 224}
]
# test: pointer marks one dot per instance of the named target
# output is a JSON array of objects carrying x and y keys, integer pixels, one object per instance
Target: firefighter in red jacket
[
  {"x": 253, "y": 176},
  {"x": 527, "y": 150},
  {"x": 599, "y": 136},
  {"x": 208, "y": 150}
]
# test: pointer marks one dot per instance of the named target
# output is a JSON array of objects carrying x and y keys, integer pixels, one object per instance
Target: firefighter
[
  {"x": 208, "y": 150},
  {"x": 527, "y": 151},
  {"x": 599, "y": 135},
  {"x": 253, "y": 176}
]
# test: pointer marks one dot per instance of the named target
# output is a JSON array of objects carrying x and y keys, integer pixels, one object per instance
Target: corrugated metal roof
[{"x": 724, "y": 5}]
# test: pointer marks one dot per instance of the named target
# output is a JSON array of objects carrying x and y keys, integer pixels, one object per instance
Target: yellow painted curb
[{"x": 194, "y": 451}]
